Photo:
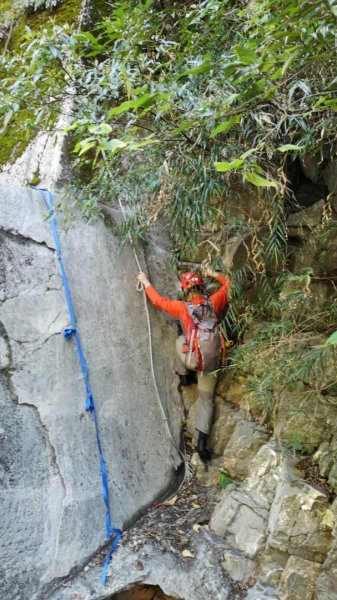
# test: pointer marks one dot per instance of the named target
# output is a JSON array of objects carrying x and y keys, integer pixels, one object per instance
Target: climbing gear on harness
[
  {"x": 203, "y": 451},
  {"x": 190, "y": 280},
  {"x": 204, "y": 336},
  {"x": 89, "y": 406}
]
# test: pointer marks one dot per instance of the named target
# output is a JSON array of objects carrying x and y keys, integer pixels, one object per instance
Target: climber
[{"x": 189, "y": 359}]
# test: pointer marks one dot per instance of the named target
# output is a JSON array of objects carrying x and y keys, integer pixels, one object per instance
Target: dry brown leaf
[
  {"x": 171, "y": 501},
  {"x": 139, "y": 565}
]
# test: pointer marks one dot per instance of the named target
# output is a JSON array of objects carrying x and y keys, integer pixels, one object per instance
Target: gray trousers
[{"x": 206, "y": 385}]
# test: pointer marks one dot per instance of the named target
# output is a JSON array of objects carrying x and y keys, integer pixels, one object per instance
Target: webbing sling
[{"x": 89, "y": 405}]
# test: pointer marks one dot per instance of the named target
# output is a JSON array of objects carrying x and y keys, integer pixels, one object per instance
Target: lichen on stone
[{"x": 14, "y": 18}]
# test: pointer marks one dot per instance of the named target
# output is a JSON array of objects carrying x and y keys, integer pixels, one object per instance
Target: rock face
[
  {"x": 51, "y": 501},
  {"x": 182, "y": 579},
  {"x": 279, "y": 528}
]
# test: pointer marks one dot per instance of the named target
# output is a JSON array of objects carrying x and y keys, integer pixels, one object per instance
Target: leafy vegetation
[
  {"x": 195, "y": 111},
  {"x": 192, "y": 85},
  {"x": 199, "y": 112},
  {"x": 297, "y": 390},
  {"x": 15, "y": 16}
]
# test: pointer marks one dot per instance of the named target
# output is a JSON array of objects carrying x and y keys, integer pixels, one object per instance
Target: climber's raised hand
[{"x": 143, "y": 279}]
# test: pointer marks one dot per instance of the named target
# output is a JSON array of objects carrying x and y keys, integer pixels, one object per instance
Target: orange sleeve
[
  {"x": 220, "y": 298},
  {"x": 175, "y": 308}
]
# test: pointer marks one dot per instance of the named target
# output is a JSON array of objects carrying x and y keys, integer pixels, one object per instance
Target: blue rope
[{"x": 89, "y": 405}]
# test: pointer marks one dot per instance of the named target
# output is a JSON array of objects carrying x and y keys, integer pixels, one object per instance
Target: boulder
[
  {"x": 272, "y": 565},
  {"x": 241, "y": 520},
  {"x": 265, "y": 471},
  {"x": 330, "y": 176},
  {"x": 238, "y": 567},
  {"x": 327, "y": 581},
  {"x": 300, "y": 521},
  {"x": 242, "y": 446},
  {"x": 223, "y": 427},
  {"x": 311, "y": 166},
  {"x": 325, "y": 456},
  {"x": 302, "y": 418},
  {"x": 298, "y": 579},
  {"x": 308, "y": 217}
]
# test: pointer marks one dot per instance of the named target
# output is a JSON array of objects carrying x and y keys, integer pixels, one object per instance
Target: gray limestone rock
[
  {"x": 242, "y": 446},
  {"x": 241, "y": 520},
  {"x": 298, "y": 579},
  {"x": 300, "y": 521},
  {"x": 326, "y": 587},
  {"x": 223, "y": 427},
  {"x": 51, "y": 493},
  {"x": 238, "y": 567},
  {"x": 197, "y": 578},
  {"x": 308, "y": 217}
]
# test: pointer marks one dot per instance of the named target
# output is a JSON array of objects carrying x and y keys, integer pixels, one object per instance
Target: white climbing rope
[{"x": 140, "y": 288}]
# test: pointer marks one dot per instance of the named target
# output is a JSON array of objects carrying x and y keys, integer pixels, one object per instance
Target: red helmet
[{"x": 190, "y": 279}]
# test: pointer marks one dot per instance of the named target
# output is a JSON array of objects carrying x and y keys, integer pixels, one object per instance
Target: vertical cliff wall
[{"x": 51, "y": 502}]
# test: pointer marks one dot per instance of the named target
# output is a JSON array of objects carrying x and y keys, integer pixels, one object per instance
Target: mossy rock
[
  {"x": 301, "y": 420},
  {"x": 14, "y": 141}
]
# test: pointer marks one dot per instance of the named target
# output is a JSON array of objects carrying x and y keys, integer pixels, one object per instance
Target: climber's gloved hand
[
  {"x": 143, "y": 279},
  {"x": 210, "y": 273}
]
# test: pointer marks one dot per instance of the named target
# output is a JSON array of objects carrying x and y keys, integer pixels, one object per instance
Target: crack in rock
[{"x": 24, "y": 239}]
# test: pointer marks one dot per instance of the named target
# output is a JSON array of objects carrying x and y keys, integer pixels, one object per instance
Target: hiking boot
[
  {"x": 187, "y": 379},
  {"x": 202, "y": 449}
]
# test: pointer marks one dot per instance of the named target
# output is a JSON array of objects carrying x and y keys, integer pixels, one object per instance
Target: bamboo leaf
[
  {"x": 259, "y": 181},
  {"x": 287, "y": 147},
  {"x": 196, "y": 70},
  {"x": 246, "y": 55},
  {"x": 226, "y": 126},
  {"x": 229, "y": 166}
]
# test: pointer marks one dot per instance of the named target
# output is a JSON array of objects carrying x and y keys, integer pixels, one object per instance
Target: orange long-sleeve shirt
[{"x": 178, "y": 308}]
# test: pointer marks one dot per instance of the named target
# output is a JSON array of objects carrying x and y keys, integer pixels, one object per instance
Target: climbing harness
[{"x": 89, "y": 405}]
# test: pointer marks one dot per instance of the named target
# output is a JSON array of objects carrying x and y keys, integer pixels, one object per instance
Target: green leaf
[
  {"x": 136, "y": 145},
  {"x": 85, "y": 147},
  {"x": 102, "y": 128},
  {"x": 8, "y": 117},
  {"x": 122, "y": 108},
  {"x": 246, "y": 55},
  {"x": 287, "y": 147},
  {"x": 183, "y": 127},
  {"x": 259, "y": 181},
  {"x": 248, "y": 153},
  {"x": 82, "y": 143},
  {"x": 55, "y": 51},
  {"x": 332, "y": 340},
  {"x": 289, "y": 60},
  {"x": 196, "y": 70},
  {"x": 226, "y": 126},
  {"x": 114, "y": 145},
  {"x": 229, "y": 166}
]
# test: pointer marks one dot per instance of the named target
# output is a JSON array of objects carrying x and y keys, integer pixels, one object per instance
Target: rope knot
[
  {"x": 89, "y": 405},
  {"x": 68, "y": 332}
]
